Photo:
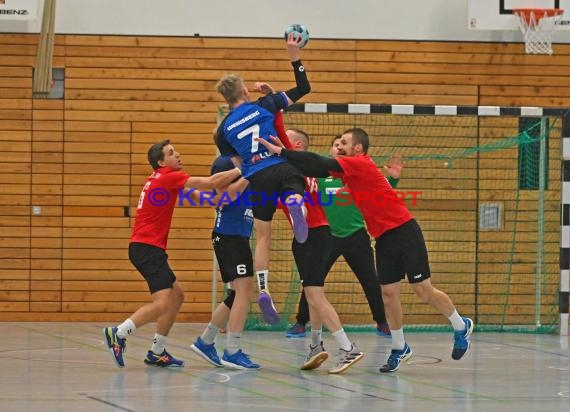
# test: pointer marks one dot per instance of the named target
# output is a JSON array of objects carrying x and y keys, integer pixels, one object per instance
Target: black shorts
[
  {"x": 272, "y": 183},
  {"x": 357, "y": 252},
  {"x": 233, "y": 254},
  {"x": 312, "y": 256},
  {"x": 152, "y": 263},
  {"x": 402, "y": 252}
]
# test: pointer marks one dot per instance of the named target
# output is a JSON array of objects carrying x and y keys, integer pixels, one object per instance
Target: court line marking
[{"x": 114, "y": 405}]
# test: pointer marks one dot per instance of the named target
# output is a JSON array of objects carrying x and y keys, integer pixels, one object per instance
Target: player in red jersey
[
  {"x": 311, "y": 258},
  {"x": 400, "y": 246},
  {"x": 147, "y": 251}
]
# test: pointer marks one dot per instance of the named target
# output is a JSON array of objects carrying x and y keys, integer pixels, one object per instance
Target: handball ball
[{"x": 299, "y": 30}]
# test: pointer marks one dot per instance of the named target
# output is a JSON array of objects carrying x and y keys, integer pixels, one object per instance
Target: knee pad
[{"x": 230, "y": 296}]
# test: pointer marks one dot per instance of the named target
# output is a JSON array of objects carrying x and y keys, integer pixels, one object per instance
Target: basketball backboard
[{"x": 498, "y": 14}]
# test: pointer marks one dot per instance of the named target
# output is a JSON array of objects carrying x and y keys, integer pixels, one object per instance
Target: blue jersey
[
  {"x": 235, "y": 218},
  {"x": 237, "y": 132}
]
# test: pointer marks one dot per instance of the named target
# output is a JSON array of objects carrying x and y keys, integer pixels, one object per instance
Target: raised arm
[
  {"x": 394, "y": 170},
  {"x": 303, "y": 86}
]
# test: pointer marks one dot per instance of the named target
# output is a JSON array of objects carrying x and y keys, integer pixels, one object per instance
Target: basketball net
[{"x": 537, "y": 26}]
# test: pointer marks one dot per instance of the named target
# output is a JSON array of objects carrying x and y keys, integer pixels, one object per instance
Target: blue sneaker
[
  {"x": 117, "y": 346},
  {"x": 208, "y": 352},
  {"x": 382, "y": 329},
  {"x": 461, "y": 341},
  {"x": 238, "y": 360},
  {"x": 267, "y": 308},
  {"x": 299, "y": 223},
  {"x": 297, "y": 331},
  {"x": 164, "y": 360},
  {"x": 396, "y": 357}
]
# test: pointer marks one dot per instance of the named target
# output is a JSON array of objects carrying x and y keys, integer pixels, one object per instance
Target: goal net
[{"x": 488, "y": 201}]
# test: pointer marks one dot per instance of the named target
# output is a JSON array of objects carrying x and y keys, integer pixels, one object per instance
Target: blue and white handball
[{"x": 299, "y": 30}]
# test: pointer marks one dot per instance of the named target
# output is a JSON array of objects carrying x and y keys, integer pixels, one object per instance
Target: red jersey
[
  {"x": 156, "y": 206},
  {"x": 315, "y": 214},
  {"x": 381, "y": 208}
]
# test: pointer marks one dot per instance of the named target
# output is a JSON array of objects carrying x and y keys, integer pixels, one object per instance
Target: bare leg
[
  {"x": 392, "y": 305},
  {"x": 161, "y": 304},
  {"x": 240, "y": 308},
  {"x": 262, "y": 245},
  {"x": 166, "y": 320},
  {"x": 434, "y": 297},
  {"x": 321, "y": 308}
]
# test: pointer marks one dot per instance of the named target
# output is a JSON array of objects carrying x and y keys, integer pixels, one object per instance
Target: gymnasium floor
[{"x": 66, "y": 367}]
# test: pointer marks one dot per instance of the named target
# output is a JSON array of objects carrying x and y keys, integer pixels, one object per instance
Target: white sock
[
  {"x": 457, "y": 321},
  {"x": 126, "y": 328},
  {"x": 316, "y": 337},
  {"x": 398, "y": 341},
  {"x": 262, "y": 279},
  {"x": 209, "y": 334},
  {"x": 233, "y": 343},
  {"x": 342, "y": 340},
  {"x": 158, "y": 344}
]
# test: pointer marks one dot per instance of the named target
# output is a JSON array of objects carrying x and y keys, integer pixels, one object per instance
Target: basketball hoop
[{"x": 537, "y": 26}]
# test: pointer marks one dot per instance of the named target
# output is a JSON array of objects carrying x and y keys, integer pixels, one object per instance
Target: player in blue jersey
[
  {"x": 271, "y": 177},
  {"x": 230, "y": 238}
]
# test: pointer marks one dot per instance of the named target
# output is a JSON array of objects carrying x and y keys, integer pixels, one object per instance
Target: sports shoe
[
  {"x": 117, "y": 346},
  {"x": 299, "y": 223},
  {"x": 238, "y": 360},
  {"x": 164, "y": 360},
  {"x": 396, "y": 357},
  {"x": 268, "y": 310},
  {"x": 347, "y": 359},
  {"x": 461, "y": 340},
  {"x": 317, "y": 355},
  {"x": 296, "y": 331},
  {"x": 382, "y": 329},
  {"x": 208, "y": 352}
]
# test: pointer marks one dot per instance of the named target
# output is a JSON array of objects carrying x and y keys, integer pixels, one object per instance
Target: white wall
[{"x": 345, "y": 19}]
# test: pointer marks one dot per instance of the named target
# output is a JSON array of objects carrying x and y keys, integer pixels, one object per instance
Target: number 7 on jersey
[{"x": 254, "y": 132}]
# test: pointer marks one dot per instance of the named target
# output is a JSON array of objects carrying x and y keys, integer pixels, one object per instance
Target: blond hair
[{"x": 231, "y": 87}]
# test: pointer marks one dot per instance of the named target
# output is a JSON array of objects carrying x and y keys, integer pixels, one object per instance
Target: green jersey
[{"x": 342, "y": 214}]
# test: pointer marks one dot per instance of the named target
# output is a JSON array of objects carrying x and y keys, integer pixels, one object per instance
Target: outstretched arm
[
  {"x": 221, "y": 179},
  {"x": 309, "y": 163},
  {"x": 312, "y": 164},
  {"x": 230, "y": 193},
  {"x": 221, "y": 196}
]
